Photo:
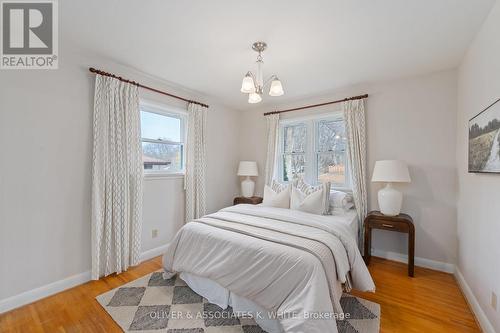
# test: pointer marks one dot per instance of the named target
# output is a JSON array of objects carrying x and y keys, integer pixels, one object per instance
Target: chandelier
[{"x": 253, "y": 85}]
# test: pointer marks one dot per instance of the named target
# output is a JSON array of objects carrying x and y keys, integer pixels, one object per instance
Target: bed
[{"x": 285, "y": 267}]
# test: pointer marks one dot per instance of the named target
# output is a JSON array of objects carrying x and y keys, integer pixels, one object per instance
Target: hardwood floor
[{"x": 429, "y": 302}]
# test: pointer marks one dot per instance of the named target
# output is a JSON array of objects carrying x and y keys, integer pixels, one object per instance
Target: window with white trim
[
  {"x": 163, "y": 138},
  {"x": 311, "y": 147}
]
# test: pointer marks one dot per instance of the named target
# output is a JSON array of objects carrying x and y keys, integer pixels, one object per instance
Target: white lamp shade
[
  {"x": 276, "y": 88},
  {"x": 248, "y": 168},
  {"x": 391, "y": 171},
  {"x": 247, "y": 85},
  {"x": 254, "y": 98}
]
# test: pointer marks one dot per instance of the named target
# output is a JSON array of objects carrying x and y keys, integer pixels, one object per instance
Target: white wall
[
  {"x": 163, "y": 203},
  {"x": 479, "y": 194},
  {"x": 413, "y": 120},
  {"x": 45, "y": 170}
]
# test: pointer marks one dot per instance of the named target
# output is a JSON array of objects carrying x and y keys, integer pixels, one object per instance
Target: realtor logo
[{"x": 29, "y": 35}]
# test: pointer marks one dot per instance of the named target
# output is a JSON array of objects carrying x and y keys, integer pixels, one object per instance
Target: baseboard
[
  {"x": 485, "y": 324},
  {"x": 36, "y": 294},
  {"x": 43, "y": 291},
  {"x": 421, "y": 262},
  {"x": 157, "y": 251}
]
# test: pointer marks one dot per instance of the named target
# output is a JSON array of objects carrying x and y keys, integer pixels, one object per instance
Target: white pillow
[
  {"x": 313, "y": 203},
  {"x": 303, "y": 198},
  {"x": 278, "y": 199},
  {"x": 349, "y": 205},
  {"x": 278, "y": 187},
  {"x": 340, "y": 201}
]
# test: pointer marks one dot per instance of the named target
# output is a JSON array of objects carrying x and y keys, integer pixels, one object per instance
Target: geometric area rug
[{"x": 152, "y": 304}]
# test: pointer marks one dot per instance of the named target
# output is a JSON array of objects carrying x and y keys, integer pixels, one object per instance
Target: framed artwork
[{"x": 484, "y": 140}]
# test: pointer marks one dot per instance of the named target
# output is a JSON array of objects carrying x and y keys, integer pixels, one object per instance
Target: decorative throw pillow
[
  {"x": 310, "y": 199},
  {"x": 278, "y": 187},
  {"x": 339, "y": 199},
  {"x": 349, "y": 205},
  {"x": 277, "y": 195}
]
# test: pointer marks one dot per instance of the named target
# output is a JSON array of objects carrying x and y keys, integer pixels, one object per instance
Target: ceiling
[{"x": 313, "y": 46}]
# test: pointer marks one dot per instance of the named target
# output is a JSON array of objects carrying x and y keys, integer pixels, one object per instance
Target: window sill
[
  {"x": 341, "y": 188},
  {"x": 163, "y": 175}
]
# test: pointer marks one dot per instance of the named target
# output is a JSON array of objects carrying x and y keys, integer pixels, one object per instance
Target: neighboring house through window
[
  {"x": 163, "y": 139},
  {"x": 312, "y": 146}
]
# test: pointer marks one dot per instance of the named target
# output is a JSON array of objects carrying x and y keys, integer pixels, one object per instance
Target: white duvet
[{"x": 286, "y": 261}]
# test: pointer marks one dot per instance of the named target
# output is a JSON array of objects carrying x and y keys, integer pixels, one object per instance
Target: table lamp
[
  {"x": 248, "y": 169},
  {"x": 390, "y": 171}
]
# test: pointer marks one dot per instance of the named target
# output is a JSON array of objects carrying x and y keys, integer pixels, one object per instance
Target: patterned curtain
[
  {"x": 196, "y": 162},
  {"x": 116, "y": 177},
  {"x": 272, "y": 144},
  {"x": 354, "y": 115}
]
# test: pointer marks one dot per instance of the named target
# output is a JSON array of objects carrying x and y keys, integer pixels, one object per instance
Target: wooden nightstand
[
  {"x": 400, "y": 223},
  {"x": 244, "y": 200}
]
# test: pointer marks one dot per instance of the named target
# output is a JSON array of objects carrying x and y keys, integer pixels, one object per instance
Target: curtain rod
[
  {"x": 97, "y": 71},
  {"x": 321, "y": 104}
]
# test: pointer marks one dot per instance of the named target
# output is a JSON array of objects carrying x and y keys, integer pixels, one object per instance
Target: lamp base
[
  {"x": 390, "y": 200},
  {"x": 247, "y": 187}
]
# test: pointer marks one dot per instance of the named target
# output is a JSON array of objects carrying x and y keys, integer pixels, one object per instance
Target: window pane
[
  {"x": 333, "y": 164},
  {"x": 156, "y": 126},
  {"x": 293, "y": 165},
  {"x": 331, "y": 136},
  {"x": 295, "y": 138},
  {"x": 162, "y": 156}
]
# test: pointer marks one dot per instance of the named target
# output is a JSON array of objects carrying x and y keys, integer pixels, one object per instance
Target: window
[
  {"x": 163, "y": 137},
  {"x": 331, "y": 149},
  {"x": 313, "y": 147},
  {"x": 294, "y": 151}
]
